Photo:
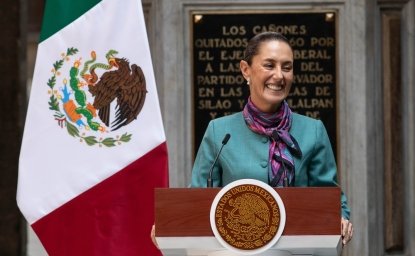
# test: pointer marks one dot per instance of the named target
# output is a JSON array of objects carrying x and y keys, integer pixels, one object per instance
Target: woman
[{"x": 269, "y": 142}]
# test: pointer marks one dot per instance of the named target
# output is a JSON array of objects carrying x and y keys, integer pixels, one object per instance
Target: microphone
[
  {"x": 224, "y": 141},
  {"x": 276, "y": 138}
]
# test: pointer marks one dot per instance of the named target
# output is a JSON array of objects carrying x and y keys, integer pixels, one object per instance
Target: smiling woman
[
  {"x": 269, "y": 72},
  {"x": 269, "y": 142}
]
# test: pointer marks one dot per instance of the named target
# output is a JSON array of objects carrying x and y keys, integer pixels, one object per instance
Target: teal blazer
[{"x": 245, "y": 156}]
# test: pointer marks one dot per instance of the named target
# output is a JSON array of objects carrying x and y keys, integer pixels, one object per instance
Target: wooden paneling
[
  {"x": 12, "y": 97},
  {"x": 34, "y": 15},
  {"x": 185, "y": 211},
  {"x": 393, "y": 154}
]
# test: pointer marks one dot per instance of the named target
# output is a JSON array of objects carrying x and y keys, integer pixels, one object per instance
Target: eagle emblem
[
  {"x": 96, "y": 97},
  {"x": 247, "y": 217}
]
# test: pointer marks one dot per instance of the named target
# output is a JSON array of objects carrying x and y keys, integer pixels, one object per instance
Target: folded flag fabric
[{"x": 94, "y": 146}]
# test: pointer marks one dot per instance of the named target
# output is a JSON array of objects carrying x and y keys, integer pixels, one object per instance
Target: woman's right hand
[{"x": 153, "y": 236}]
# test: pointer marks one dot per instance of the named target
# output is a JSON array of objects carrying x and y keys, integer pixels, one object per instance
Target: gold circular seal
[{"x": 247, "y": 217}]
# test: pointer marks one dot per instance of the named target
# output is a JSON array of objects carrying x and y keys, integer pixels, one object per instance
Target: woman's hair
[{"x": 254, "y": 43}]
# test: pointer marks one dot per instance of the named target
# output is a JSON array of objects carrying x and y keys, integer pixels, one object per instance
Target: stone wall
[{"x": 376, "y": 57}]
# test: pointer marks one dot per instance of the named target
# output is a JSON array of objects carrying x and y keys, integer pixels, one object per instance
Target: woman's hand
[
  {"x": 153, "y": 236},
  {"x": 346, "y": 230}
]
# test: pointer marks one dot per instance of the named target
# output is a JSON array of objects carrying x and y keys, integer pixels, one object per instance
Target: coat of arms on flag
[
  {"x": 81, "y": 94},
  {"x": 94, "y": 147}
]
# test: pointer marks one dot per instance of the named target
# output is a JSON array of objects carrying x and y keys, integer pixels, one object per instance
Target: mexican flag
[{"x": 94, "y": 146}]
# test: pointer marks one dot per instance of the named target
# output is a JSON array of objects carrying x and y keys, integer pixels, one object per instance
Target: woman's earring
[{"x": 247, "y": 81}]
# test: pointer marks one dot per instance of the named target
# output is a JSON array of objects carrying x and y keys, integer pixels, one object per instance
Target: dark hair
[{"x": 254, "y": 43}]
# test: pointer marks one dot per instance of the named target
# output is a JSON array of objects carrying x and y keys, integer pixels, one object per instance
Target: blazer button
[
  {"x": 264, "y": 164},
  {"x": 264, "y": 140}
]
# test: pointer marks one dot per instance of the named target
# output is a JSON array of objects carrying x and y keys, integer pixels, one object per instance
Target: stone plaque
[{"x": 218, "y": 41}]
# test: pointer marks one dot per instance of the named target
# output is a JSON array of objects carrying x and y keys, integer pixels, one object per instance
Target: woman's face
[{"x": 270, "y": 75}]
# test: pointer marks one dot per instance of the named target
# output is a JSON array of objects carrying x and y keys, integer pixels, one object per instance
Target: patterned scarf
[{"x": 283, "y": 145}]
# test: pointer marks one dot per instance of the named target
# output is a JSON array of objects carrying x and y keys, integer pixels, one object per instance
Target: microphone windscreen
[{"x": 225, "y": 140}]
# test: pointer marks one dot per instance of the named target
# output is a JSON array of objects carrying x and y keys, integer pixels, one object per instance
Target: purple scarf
[{"x": 283, "y": 145}]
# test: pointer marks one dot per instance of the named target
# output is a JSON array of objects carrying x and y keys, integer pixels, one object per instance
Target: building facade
[{"x": 375, "y": 109}]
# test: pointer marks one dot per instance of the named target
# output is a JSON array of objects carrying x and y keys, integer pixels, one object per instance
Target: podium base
[
  {"x": 321, "y": 245},
  {"x": 267, "y": 253}
]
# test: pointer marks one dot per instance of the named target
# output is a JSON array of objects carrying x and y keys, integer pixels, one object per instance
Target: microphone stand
[{"x": 210, "y": 180}]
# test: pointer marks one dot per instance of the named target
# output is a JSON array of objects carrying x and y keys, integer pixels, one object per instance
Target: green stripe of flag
[{"x": 59, "y": 13}]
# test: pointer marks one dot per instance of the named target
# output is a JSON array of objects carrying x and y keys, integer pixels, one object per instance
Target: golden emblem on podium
[{"x": 247, "y": 216}]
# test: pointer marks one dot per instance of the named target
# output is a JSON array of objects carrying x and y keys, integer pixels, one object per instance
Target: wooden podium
[{"x": 312, "y": 225}]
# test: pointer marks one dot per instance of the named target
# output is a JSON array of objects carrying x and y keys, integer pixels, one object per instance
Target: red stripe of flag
[{"x": 112, "y": 218}]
